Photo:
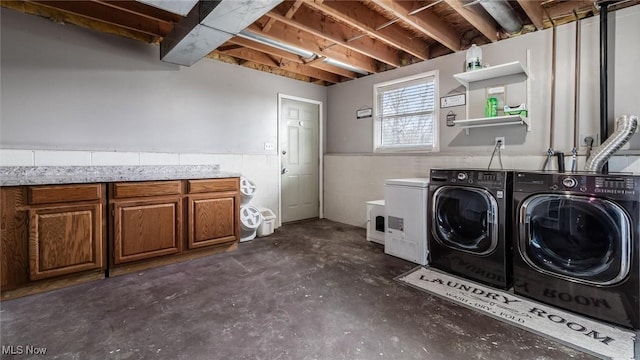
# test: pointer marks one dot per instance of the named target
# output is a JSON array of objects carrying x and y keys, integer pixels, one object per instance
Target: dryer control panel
[{"x": 616, "y": 186}]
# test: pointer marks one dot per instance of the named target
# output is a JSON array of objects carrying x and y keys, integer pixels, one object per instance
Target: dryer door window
[
  {"x": 465, "y": 219},
  {"x": 578, "y": 238}
]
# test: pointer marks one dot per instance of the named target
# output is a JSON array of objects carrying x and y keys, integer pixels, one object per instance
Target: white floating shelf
[
  {"x": 491, "y": 72},
  {"x": 492, "y": 121}
]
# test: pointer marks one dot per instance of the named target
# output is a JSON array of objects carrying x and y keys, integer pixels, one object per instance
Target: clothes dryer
[
  {"x": 577, "y": 243},
  {"x": 470, "y": 222}
]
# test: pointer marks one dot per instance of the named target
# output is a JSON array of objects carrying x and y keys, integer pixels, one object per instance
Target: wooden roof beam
[
  {"x": 108, "y": 14},
  {"x": 330, "y": 30},
  {"x": 366, "y": 20},
  {"x": 301, "y": 39},
  {"x": 292, "y": 10},
  {"x": 424, "y": 21},
  {"x": 140, "y": 8},
  {"x": 292, "y": 57},
  {"x": 533, "y": 9},
  {"x": 260, "y": 58},
  {"x": 480, "y": 20},
  {"x": 566, "y": 8},
  {"x": 82, "y": 21}
]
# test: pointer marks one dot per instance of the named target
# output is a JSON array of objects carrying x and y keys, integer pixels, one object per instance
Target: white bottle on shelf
[{"x": 474, "y": 58}]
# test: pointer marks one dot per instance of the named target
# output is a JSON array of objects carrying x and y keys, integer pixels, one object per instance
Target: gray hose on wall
[{"x": 625, "y": 128}]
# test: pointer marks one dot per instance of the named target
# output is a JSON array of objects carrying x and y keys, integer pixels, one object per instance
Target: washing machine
[
  {"x": 576, "y": 243},
  {"x": 470, "y": 221},
  {"x": 405, "y": 209}
]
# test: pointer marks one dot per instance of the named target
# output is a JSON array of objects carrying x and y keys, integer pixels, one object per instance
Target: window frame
[{"x": 377, "y": 123}]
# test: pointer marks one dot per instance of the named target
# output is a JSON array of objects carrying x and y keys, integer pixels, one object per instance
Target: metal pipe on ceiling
[
  {"x": 276, "y": 44},
  {"x": 300, "y": 52}
]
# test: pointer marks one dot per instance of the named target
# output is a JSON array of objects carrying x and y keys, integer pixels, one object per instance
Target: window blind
[{"x": 405, "y": 113}]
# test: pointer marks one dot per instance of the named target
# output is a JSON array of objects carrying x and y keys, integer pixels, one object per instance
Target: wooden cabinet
[
  {"x": 213, "y": 212},
  {"x": 51, "y": 231},
  {"x": 54, "y": 236},
  {"x": 146, "y": 220}
]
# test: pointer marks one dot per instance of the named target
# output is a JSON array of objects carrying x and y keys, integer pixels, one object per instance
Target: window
[{"x": 405, "y": 114}]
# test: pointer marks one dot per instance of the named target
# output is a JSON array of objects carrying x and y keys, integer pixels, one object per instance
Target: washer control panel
[{"x": 482, "y": 178}]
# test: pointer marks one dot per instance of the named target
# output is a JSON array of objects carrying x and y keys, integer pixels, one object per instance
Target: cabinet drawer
[
  {"x": 213, "y": 185},
  {"x": 144, "y": 189},
  {"x": 64, "y": 193}
]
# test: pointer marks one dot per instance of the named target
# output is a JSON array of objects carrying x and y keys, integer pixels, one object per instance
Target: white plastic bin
[
  {"x": 250, "y": 220},
  {"x": 268, "y": 222},
  {"x": 247, "y": 190}
]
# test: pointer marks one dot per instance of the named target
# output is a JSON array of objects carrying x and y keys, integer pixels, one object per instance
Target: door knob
[
  {"x": 284, "y": 171},
  {"x": 284, "y": 152}
]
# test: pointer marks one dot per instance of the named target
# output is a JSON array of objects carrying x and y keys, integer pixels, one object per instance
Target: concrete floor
[{"x": 313, "y": 290}]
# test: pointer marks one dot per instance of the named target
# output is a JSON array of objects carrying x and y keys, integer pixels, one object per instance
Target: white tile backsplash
[
  {"x": 159, "y": 159},
  {"x": 198, "y": 159},
  {"x": 62, "y": 158},
  {"x": 9, "y": 157},
  {"x": 229, "y": 162},
  {"x": 112, "y": 158}
]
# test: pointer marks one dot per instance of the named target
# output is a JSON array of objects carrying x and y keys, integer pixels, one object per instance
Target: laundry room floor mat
[{"x": 591, "y": 336}]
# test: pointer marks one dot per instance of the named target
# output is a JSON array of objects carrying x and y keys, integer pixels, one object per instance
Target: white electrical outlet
[
  {"x": 269, "y": 146},
  {"x": 501, "y": 139}
]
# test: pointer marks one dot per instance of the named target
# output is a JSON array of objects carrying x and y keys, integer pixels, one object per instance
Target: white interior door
[{"x": 300, "y": 160}]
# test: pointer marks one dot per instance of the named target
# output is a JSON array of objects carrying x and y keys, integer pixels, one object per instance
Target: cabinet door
[
  {"x": 212, "y": 219},
  {"x": 64, "y": 240},
  {"x": 145, "y": 229}
]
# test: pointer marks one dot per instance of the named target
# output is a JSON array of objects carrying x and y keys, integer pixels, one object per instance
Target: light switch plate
[
  {"x": 453, "y": 100},
  {"x": 269, "y": 146}
]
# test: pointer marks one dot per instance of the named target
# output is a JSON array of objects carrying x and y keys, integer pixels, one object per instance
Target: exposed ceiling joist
[
  {"x": 292, "y": 57},
  {"x": 61, "y": 16},
  {"x": 423, "y": 21},
  {"x": 332, "y": 31},
  {"x": 318, "y": 41},
  {"x": 533, "y": 9},
  {"x": 140, "y": 8},
  {"x": 366, "y": 20},
  {"x": 304, "y": 40},
  {"x": 107, "y": 13},
  {"x": 476, "y": 17},
  {"x": 289, "y": 14},
  {"x": 261, "y": 58}
]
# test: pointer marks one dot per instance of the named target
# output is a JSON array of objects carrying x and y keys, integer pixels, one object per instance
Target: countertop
[{"x": 48, "y": 175}]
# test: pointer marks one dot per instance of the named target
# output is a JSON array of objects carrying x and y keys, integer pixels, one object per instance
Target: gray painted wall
[
  {"x": 346, "y": 134},
  {"x": 64, "y": 87}
]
